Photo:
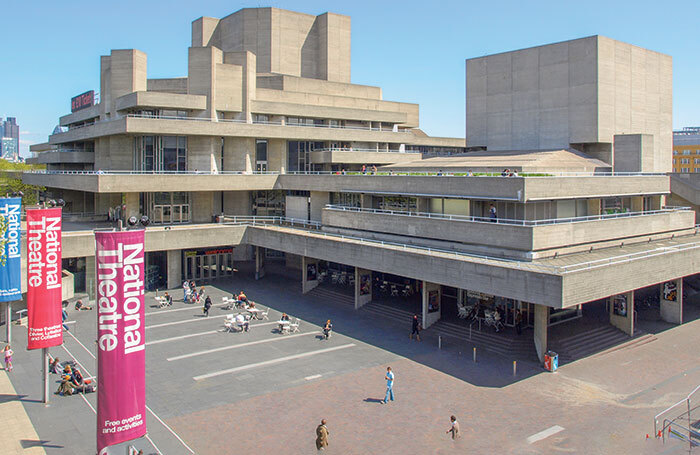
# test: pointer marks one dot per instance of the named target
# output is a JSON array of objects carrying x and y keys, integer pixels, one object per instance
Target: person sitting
[
  {"x": 242, "y": 297},
  {"x": 327, "y": 329},
  {"x": 251, "y": 304},
  {"x": 168, "y": 299},
  {"x": 77, "y": 378},
  {"x": 505, "y": 172},
  {"x": 81, "y": 307},
  {"x": 242, "y": 323},
  {"x": 55, "y": 366},
  {"x": 284, "y": 317}
]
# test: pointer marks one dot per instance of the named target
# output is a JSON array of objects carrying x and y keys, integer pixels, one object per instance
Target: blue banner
[{"x": 10, "y": 254}]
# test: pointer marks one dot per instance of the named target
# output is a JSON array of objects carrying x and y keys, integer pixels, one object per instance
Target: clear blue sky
[{"x": 414, "y": 50}]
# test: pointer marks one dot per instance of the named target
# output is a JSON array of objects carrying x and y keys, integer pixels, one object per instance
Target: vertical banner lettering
[
  {"x": 121, "y": 391},
  {"x": 10, "y": 256},
  {"x": 44, "y": 278}
]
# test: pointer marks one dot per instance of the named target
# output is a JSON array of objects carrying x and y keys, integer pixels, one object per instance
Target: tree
[{"x": 11, "y": 181}]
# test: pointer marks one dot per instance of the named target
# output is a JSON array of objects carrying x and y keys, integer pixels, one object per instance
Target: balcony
[
  {"x": 362, "y": 156},
  {"x": 523, "y": 239},
  {"x": 63, "y": 157}
]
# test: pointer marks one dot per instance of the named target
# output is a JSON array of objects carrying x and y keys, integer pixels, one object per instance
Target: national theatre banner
[
  {"x": 121, "y": 390},
  {"x": 44, "y": 278},
  {"x": 10, "y": 249}
]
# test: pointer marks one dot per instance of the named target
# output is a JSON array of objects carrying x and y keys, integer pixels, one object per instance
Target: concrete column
[
  {"x": 363, "y": 287},
  {"x": 671, "y": 298},
  {"x": 276, "y": 155},
  {"x": 593, "y": 207},
  {"x": 309, "y": 274},
  {"x": 423, "y": 204},
  {"x": 432, "y": 296},
  {"x": 259, "y": 262},
  {"x": 622, "y": 312},
  {"x": 637, "y": 203},
  {"x": 366, "y": 201},
  {"x": 131, "y": 200},
  {"x": 319, "y": 199},
  {"x": 541, "y": 323},
  {"x": 174, "y": 258},
  {"x": 90, "y": 277},
  {"x": 239, "y": 154}
]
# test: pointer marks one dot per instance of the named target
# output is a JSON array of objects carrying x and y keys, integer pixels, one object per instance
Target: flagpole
[{"x": 8, "y": 321}]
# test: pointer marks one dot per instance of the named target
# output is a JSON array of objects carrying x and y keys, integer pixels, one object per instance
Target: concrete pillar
[
  {"x": 131, "y": 200},
  {"x": 248, "y": 61},
  {"x": 259, "y": 262},
  {"x": 637, "y": 204},
  {"x": 622, "y": 312},
  {"x": 319, "y": 199},
  {"x": 366, "y": 201},
  {"x": 432, "y": 296},
  {"x": 309, "y": 274},
  {"x": 593, "y": 207},
  {"x": 541, "y": 323},
  {"x": 423, "y": 204},
  {"x": 276, "y": 155},
  {"x": 202, "y": 206},
  {"x": 239, "y": 154},
  {"x": 657, "y": 202},
  {"x": 174, "y": 258},
  {"x": 671, "y": 298},
  {"x": 363, "y": 287},
  {"x": 90, "y": 277}
]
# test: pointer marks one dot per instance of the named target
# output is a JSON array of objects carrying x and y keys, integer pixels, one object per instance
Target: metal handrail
[
  {"x": 350, "y": 149},
  {"x": 665, "y": 411},
  {"x": 358, "y": 173},
  {"x": 481, "y": 219}
]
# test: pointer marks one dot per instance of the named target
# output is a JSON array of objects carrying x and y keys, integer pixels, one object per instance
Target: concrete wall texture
[{"x": 583, "y": 91}]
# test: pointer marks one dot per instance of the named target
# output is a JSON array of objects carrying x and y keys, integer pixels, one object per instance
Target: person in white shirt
[{"x": 242, "y": 323}]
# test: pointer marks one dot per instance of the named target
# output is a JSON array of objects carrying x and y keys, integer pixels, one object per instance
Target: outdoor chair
[
  {"x": 264, "y": 314},
  {"x": 228, "y": 303},
  {"x": 294, "y": 326},
  {"x": 229, "y": 325},
  {"x": 394, "y": 291}
]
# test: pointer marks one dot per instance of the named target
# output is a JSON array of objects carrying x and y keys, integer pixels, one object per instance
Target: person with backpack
[{"x": 415, "y": 328}]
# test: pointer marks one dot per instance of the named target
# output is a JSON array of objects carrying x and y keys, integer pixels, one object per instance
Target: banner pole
[
  {"x": 45, "y": 352},
  {"x": 8, "y": 321}
]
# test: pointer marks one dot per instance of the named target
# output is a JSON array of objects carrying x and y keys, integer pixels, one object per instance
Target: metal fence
[{"x": 681, "y": 421}]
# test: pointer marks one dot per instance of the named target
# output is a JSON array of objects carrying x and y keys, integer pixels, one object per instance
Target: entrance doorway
[{"x": 207, "y": 265}]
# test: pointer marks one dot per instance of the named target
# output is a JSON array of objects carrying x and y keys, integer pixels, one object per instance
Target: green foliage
[{"x": 11, "y": 181}]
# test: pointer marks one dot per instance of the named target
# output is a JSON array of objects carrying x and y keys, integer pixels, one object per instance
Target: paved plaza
[{"x": 212, "y": 392}]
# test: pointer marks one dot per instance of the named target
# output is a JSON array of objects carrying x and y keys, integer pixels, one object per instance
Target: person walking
[
  {"x": 492, "y": 214},
  {"x": 64, "y": 316},
  {"x": 185, "y": 290},
  {"x": 454, "y": 428},
  {"x": 8, "y": 358},
  {"x": 322, "y": 435},
  {"x": 389, "y": 386},
  {"x": 415, "y": 328},
  {"x": 518, "y": 322},
  {"x": 207, "y": 306}
]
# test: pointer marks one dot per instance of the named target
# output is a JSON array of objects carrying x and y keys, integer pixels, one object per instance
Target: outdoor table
[
  {"x": 254, "y": 312},
  {"x": 284, "y": 325}
]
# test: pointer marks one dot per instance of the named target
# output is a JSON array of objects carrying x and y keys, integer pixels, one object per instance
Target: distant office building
[
  {"x": 686, "y": 150},
  {"x": 10, "y": 139}
]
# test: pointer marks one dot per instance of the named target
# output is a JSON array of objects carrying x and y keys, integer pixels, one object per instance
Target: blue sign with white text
[{"x": 10, "y": 254}]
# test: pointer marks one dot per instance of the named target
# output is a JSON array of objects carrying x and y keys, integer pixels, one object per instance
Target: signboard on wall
[
  {"x": 82, "y": 101},
  {"x": 670, "y": 291}
]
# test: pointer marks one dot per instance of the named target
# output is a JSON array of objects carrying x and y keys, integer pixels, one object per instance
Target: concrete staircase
[
  {"x": 328, "y": 295},
  {"x": 391, "y": 312},
  {"x": 599, "y": 340},
  {"x": 522, "y": 347}
]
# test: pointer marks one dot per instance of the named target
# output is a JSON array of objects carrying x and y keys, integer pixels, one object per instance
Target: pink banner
[
  {"x": 121, "y": 390},
  {"x": 44, "y": 278}
]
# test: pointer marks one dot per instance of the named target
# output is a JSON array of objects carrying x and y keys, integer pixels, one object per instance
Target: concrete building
[
  {"x": 603, "y": 97},
  {"x": 266, "y": 152}
]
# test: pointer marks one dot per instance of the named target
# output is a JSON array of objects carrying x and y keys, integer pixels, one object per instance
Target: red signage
[
  {"x": 121, "y": 354},
  {"x": 44, "y": 278},
  {"x": 82, "y": 101}
]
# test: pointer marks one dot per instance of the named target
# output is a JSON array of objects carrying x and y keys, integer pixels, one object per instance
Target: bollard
[
  {"x": 440, "y": 342},
  {"x": 515, "y": 368},
  {"x": 474, "y": 354}
]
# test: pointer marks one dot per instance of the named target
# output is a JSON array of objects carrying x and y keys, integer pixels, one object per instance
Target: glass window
[
  {"x": 685, "y": 170},
  {"x": 686, "y": 152},
  {"x": 261, "y": 150},
  {"x": 169, "y": 153},
  {"x": 685, "y": 160},
  {"x": 675, "y": 152}
]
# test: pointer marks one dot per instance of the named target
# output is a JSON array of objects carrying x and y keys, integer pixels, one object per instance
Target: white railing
[
  {"x": 368, "y": 173},
  {"x": 351, "y": 149},
  {"x": 481, "y": 219}
]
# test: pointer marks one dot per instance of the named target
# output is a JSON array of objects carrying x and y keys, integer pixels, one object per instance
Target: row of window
[
  {"x": 686, "y": 152},
  {"x": 686, "y": 170},
  {"x": 687, "y": 161}
]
